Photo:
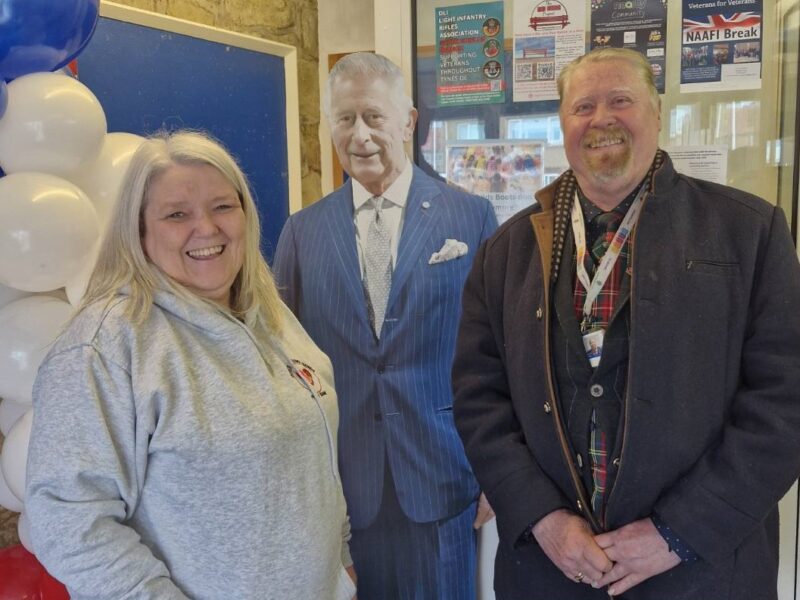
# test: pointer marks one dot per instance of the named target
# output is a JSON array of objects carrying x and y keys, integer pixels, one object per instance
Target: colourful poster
[
  {"x": 470, "y": 55},
  {"x": 547, "y": 35},
  {"x": 721, "y": 45},
  {"x": 505, "y": 172},
  {"x": 637, "y": 24}
]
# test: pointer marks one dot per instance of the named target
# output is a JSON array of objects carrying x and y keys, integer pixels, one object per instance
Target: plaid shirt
[{"x": 598, "y": 237}]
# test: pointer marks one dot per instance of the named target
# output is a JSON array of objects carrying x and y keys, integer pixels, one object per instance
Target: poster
[
  {"x": 504, "y": 172},
  {"x": 703, "y": 162},
  {"x": 470, "y": 55},
  {"x": 721, "y": 45},
  {"x": 548, "y": 34},
  {"x": 637, "y": 24}
]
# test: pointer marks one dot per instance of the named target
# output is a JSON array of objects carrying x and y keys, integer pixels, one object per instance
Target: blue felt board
[{"x": 147, "y": 79}]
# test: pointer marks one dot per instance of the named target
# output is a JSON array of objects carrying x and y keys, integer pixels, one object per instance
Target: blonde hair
[
  {"x": 635, "y": 59},
  {"x": 122, "y": 262}
]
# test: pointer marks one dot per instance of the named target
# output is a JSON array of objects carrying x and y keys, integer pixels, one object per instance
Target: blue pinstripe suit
[{"x": 394, "y": 393}]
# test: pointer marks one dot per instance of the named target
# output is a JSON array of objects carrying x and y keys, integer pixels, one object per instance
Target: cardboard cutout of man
[{"x": 374, "y": 272}]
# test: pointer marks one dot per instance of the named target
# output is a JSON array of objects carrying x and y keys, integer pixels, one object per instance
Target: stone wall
[{"x": 292, "y": 22}]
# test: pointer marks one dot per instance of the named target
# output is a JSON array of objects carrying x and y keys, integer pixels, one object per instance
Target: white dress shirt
[{"x": 393, "y": 211}]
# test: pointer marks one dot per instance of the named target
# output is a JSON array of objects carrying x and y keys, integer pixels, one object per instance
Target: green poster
[{"x": 470, "y": 66}]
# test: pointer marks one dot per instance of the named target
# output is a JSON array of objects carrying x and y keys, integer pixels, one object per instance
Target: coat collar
[{"x": 550, "y": 224}]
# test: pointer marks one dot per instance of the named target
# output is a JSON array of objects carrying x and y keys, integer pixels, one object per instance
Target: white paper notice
[{"x": 703, "y": 162}]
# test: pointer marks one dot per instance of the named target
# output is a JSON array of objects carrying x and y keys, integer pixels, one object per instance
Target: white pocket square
[{"x": 451, "y": 249}]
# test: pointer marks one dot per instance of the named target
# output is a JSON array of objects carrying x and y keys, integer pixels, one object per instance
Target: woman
[{"x": 184, "y": 436}]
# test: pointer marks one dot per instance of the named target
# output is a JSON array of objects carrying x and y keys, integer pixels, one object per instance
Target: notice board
[{"x": 152, "y": 72}]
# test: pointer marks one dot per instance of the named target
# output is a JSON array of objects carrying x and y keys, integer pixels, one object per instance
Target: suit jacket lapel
[
  {"x": 342, "y": 231},
  {"x": 419, "y": 219}
]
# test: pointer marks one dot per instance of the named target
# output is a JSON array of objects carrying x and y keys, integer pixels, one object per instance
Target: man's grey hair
[
  {"x": 372, "y": 66},
  {"x": 635, "y": 59}
]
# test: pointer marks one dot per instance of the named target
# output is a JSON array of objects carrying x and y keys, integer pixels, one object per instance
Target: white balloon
[
  {"x": 76, "y": 288},
  {"x": 10, "y": 412},
  {"x": 48, "y": 228},
  {"x": 7, "y": 499},
  {"x": 9, "y": 294},
  {"x": 14, "y": 458},
  {"x": 24, "y": 532},
  {"x": 101, "y": 179},
  {"x": 53, "y": 123},
  {"x": 59, "y": 294},
  {"x": 27, "y": 329}
]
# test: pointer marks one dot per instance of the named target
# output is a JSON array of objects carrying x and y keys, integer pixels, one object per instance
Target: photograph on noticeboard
[{"x": 505, "y": 172}]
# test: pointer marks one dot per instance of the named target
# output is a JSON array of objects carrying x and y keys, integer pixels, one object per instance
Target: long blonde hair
[{"x": 122, "y": 262}]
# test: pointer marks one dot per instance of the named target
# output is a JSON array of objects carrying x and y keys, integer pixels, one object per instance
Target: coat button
[
  {"x": 615, "y": 462},
  {"x": 579, "y": 505},
  {"x": 539, "y": 313},
  {"x": 596, "y": 390},
  {"x": 579, "y": 461},
  {"x": 547, "y": 408}
]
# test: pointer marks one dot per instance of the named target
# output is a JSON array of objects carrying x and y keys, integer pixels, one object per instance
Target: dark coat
[{"x": 711, "y": 419}]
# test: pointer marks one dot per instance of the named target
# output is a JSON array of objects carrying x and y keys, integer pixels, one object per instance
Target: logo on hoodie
[{"x": 306, "y": 376}]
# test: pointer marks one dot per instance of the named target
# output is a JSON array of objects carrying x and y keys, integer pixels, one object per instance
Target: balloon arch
[{"x": 60, "y": 174}]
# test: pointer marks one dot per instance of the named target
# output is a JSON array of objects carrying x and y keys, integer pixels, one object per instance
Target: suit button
[
  {"x": 596, "y": 390},
  {"x": 547, "y": 408},
  {"x": 539, "y": 313},
  {"x": 381, "y": 368},
  {"x": 579, "y": 461},
  {"x": 615, "y": 462},
  {"x": 378, "y": 417}
]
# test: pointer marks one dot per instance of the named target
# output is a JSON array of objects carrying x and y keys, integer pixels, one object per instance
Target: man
[
  {"x": 374, "y": 272},
  {"x": 656, "y": 473}
]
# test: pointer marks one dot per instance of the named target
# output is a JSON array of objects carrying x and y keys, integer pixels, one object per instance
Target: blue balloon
[
  {"x": 43, "y": 35},
  {"x": 3, "y": 97}
]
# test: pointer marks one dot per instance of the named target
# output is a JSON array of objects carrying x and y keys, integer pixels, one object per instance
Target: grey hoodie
[{"x": 190, "y": 456}]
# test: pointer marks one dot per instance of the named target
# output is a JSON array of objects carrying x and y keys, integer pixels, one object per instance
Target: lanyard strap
[{"x": 594, "y": 286}]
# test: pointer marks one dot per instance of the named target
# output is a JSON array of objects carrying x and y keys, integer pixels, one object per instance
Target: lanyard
[{"x": 594, "y": 286}]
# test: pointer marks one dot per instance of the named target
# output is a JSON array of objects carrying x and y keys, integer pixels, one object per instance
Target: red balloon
[
  {"x": 22, "y": 577},
  {"x": 51, "y": 588}
]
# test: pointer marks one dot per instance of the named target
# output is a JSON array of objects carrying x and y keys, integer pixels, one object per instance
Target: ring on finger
[{"x": 579, "y": 577}]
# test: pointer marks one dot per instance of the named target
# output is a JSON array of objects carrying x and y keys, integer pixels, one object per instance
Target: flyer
[
  {"x": 637, "y": 24},
  {"x": 704, "y": 162},
  {"x": 505, "y": 172},
  {"x": 548, "y": 34},
  {"x": 721, "y": 45},
  {"x": 470, "y": 54}
]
